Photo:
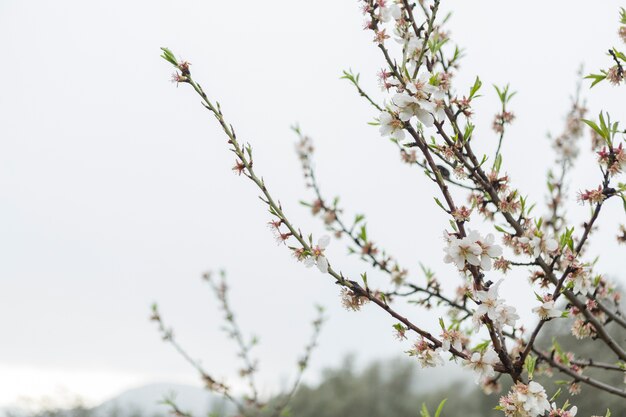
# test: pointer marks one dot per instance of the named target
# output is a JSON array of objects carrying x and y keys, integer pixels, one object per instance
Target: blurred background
[{"x": 116, "y": 188}]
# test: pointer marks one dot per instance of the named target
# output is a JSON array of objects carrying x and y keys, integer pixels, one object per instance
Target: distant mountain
[{"x": 147, "y": 401}]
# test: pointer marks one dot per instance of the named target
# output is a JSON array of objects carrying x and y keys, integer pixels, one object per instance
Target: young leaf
[
  {"x": 440, "y": 408},
  {"x": 169, "y": 56},
  {"x": 475, "y": 88}
]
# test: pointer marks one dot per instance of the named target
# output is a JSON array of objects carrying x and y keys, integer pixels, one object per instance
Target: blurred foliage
[
  {"x": 386, "y": 389},
  {"x": 396, "y": 388}
]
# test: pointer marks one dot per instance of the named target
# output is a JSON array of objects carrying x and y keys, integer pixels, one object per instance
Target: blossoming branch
[{"x": 431, "y": 123}]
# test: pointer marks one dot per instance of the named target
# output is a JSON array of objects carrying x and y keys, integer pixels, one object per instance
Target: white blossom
[
  {"x": 416, "y": 100},
  {"x": 547, "y": 310},
  {"x": 482, "y": 364},
  {"x": 317, "y": 255},
  {"x": 429, "y": 358},
  {"x": 539, "y": 244},
  {"x": 494, "y": 307},
  {"x": 489, "y": 301},
  {"x": 489, "y": 249},
  {"x": 525, "y": 401},
  {"x": 506, "y": 315},
  {"x": 389, "y": 11},
  {"x": 451, "y": 338},
  {"x": 462, "y": 250},
  {"x": 391, "y": 126},
  {"x": 408, "y": 106},
  {"x": 438, "y": 105},
  {"x": 414, "y": 47},
  {"x": 582, "y": 282}
]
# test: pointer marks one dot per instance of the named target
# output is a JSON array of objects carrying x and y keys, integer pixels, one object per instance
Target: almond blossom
[
  {"x": 494, "y": 308},
  {"x": 462, "y": 250},
  {"x": 452, "y": 338},
  {"x": 317, "y": 255},
  {"x": 547, "y": 310},
  {"x": 388, "y": 10},
  {"x": 488, "y": 249},
  {"x": 537, "y": 245},
  {"x": 581, "y": 281},
  {"x": 415, "y": 100},
  {"x": 482, "y": 363},
  {"x": 525, "y": 401},
  {"x": 427, "y": 357},
  {"x": 408, "y": 106},
  {"x": 390, "y": 125},
  {"x": 430, "y": 358}
]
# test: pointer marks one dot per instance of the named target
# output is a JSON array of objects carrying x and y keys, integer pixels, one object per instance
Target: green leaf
[
  {"x": 363, "y": 233},
  {"x": 475, "y": 88},
  {"x": 169, "y": 56},
  {"x": 482, "y": 346},
  {"x": 556, "y": 395},
  {"x": 498, "y": 163},
  {"x": 504, "y": 94},
  {"x": 594, "y": 126},
  {"x": 596, "y": 78},
  {"x": 500, "y": 229},
  {"x": 439, "y": 204},
  {"x": 440, "y": 408},
  {"x": 469, "y": 129},
  {"x": 530, "y": 364}
]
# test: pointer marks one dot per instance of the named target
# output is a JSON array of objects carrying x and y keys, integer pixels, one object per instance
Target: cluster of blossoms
[
  {"x": 579, "y": 275},
  {"x": 452, "y": 338},
  {"x": 416, "y": 98},
  {"x": 427, "y": 357},
  {"x": 422, "y": 95},
  {"x": 613, "y": 159},
  {"x": 593, "y": 196},
  {"x": 509, "y": 199},
  {"x": 472, "y": 249},
  {"x": 352, "y": 301},
  {"x": 502, "y": 119},
  {"x": 615, "y": 75},
  {"x": 494, "y": 308},
  {"x": 534, "y": 244},
  {"x": 525, "y": 401},
  {"x": 582, "y": 329}
]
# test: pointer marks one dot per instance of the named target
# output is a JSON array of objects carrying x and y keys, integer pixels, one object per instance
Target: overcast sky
[{"x": 116, "y": 189}]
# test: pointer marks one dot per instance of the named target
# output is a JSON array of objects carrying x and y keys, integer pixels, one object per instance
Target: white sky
[{"x": 116, "y": 189}]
